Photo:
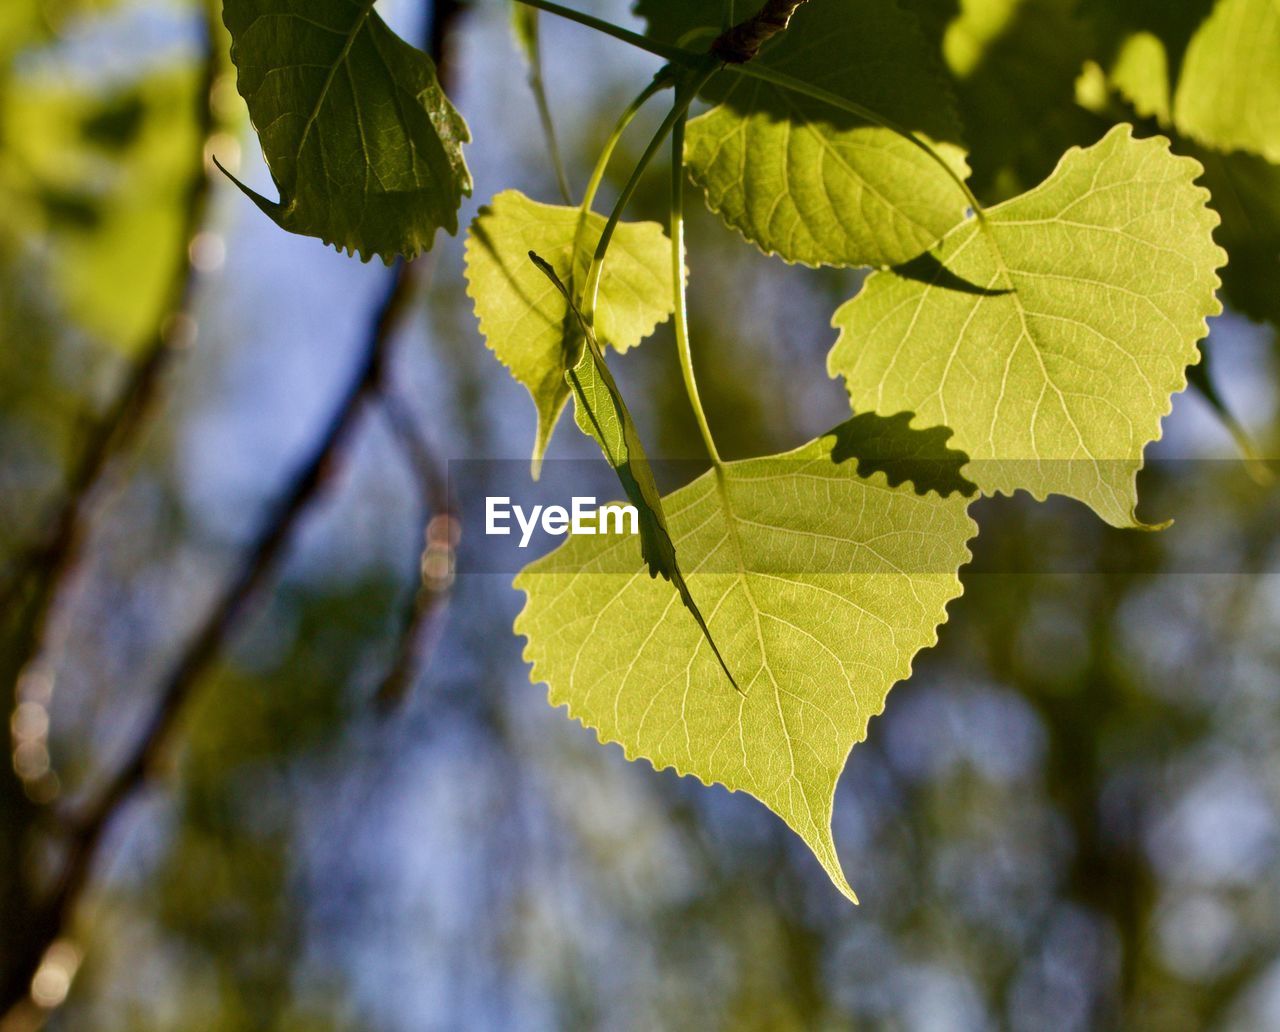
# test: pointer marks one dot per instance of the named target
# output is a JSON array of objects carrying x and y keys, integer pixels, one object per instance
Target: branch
[
  {"x": 742, "y": 42},
  {"x": 56, "y": 558},
  {"x": 50, "y": 919},
  {"x": 256, "y": 567},
  {"x": 28, "y": 933},
  {"x": 420, "y": 624}
]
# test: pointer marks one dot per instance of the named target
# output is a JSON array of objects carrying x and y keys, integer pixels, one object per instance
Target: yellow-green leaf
[
  {"x": 805, "y": 180},
  {"x": 1052, "y": 339},
  {"x": 820, "y": 586},
  {"x": 525, "y": 320},
  {"x": 1228, "y": 94},
  {"x": 101, "y": 180}
]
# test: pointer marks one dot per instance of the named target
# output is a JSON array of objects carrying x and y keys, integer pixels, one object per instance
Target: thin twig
[
  {"x": 257, "y": 565},
  {"x": 538, "y": 87},
  {"x": 51, "y": 564},
  {"x": 671, "y": 53},
  {"x": 420, "y": 624}
]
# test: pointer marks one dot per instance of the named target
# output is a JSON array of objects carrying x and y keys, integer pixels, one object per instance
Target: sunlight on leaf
[
  {"x": 820, "y": 586},
  {"x": 808, "y": 182},
  {"x": 1228, "y": 94},
  {"x": 1097, "y": 286},
  {"x": 527, "y": 322},
  {"x": 601, "y": 414}
]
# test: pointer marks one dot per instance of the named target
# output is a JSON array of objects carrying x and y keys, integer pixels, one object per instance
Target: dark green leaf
[{"x": 362, "y": 142}]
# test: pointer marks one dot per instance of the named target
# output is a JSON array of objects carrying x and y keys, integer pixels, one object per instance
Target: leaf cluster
[{"x": 1043, "y": 190}]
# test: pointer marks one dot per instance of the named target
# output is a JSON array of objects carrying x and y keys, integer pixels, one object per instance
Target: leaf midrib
[{"x": 341, "y": 59}]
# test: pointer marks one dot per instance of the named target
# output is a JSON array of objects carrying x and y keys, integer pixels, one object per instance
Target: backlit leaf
[
  {"x": 526, "y": 321},
  {"x": 601, "y": 413},
  {"x": 805, "y": 180},
  {"x": 1228, "y": 94},
  {"x": 1051, "y": 342},
  {"x": 820, "y": 587}
]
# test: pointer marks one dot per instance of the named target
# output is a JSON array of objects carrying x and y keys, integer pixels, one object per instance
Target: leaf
[
  {"x": 825, "y": 586},
  {"x": 806, "y": 181},
  {"x": 100, "y": 180},
  {"x": 1140, "y": 72},
  {"x": 1054, "y": 371},
  {"x": 1140, "y": 44},
  {"x": 1228, "y": 94},
  {"x": 1210, "y": 70},
  {"x": 601, "y": 414},
  {"x": 525, "y": 320},
  {"x": 1150, "y": 40},
  {"x": 364, "y": 146},
  {"x": 1013, "y": 64},
  {"x": 1246, "y": 193}
]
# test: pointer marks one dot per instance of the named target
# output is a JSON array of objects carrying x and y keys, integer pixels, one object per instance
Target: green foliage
[
  {"x": 1050, "y": 336},
  {"x": 1229, "y": 90},
  {"x": 101, "y": 181},
  {"x": 601, "y": 414},
  {"x": 1035, "y": 345},
  {"x": 1013, "y": 64},
  {"x": 820, "y": 586},
  {"x": 363, "y": 144},
  {"x": 1214, "y": 75},
  {"x": 808, "y": 181},
  {"x": 528, "y": 323}
]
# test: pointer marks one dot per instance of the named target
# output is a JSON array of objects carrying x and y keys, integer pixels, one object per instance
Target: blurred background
[{"x": 1069, "y": 818}]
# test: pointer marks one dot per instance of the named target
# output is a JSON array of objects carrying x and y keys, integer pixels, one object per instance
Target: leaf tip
[{"x": 272, "y": 209}]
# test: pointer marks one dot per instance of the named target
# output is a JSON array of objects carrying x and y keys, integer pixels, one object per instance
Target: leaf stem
[
  {"x": 684, "y": 97},
  {"x": 538, "y": 87},
  {"x": 764, "y": 73},
  {"x": 660, "y": 82},
  {"x": 674, "y": 54},
  {"x": 680, "y": 316}
]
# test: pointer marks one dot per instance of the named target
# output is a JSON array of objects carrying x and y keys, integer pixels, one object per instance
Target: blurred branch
[
  {"x": 49, "y": 920},
  {"x": 419, "y": 628},
  {"x": 257, "y": 565},
  {"x": 41, "y": 576}
]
